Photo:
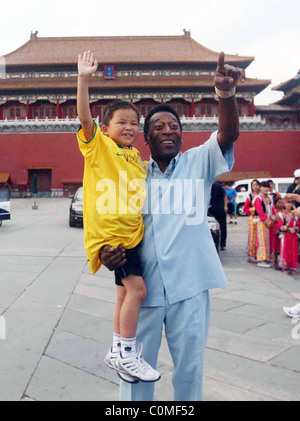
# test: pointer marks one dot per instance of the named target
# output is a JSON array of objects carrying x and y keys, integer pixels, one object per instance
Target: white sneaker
[
  {"x": 137, "y": 367},
  {"x": 292, "y": 311},
  {"x": 111, "y": 360},
  {"x": 264, "y": 265}
]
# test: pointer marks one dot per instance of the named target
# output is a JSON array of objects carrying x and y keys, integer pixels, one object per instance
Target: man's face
[{"x": 164, "y": 136}]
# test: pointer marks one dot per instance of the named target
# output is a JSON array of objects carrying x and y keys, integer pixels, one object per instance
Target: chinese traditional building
[
  {"x": 287, "y": 109},
  {"x": 41, "y": 76},
  {"x": 38, "y": 118}
]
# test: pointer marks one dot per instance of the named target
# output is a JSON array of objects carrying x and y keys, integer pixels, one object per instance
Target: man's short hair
[
  {"x": 265, "y": 184},
  {"x": 162, "y": 108},
  {"x": 114, "y": 106}
]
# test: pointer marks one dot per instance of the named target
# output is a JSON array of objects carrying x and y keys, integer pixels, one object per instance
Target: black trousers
[{"x": 219, "y": 213}]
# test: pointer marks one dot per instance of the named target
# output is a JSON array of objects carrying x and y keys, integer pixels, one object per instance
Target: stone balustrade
[{"x": 189, "y": 124}]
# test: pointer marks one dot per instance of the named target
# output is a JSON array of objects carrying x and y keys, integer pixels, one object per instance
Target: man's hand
[
  {"x": 111, "y": 257},
  {"x": 86, "y": 64},
  {"x": 290, "y": 197},
  {"x": 227, "y": 77}
]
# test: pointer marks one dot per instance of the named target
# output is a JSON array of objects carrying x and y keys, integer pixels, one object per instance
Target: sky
[{"x": 268, "y": 30}]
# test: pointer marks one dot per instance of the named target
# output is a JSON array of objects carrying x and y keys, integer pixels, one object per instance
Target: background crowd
[{"x": 274, "y": 227}]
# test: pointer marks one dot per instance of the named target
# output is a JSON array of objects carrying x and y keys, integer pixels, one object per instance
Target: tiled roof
[
  {"x": 126, "y": 82},
  {"x": 289, "y": 84},
  {"x": 109, "y": 50}
]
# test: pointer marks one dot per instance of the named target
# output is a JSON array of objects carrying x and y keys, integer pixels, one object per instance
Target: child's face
[
  {"x": 280, "y": 205},
  {"x": 289, "y": 206},
  {"x": 255, "y": 187},
  {"x": 123, "y": 128},
  {"x": 264, "y": 190}
]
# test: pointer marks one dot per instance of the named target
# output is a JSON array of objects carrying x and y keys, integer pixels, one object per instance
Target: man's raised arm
[{"x": 226, "y": 80}]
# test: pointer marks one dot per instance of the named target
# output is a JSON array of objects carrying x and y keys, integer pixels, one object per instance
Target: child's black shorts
[{"x": 131, "y": 267}]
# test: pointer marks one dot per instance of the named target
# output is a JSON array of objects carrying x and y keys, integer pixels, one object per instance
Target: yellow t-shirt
[{"x": 114, "y": 191}]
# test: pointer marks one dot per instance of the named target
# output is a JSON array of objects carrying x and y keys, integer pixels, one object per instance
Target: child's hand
[{"x": 86, "y": 64}]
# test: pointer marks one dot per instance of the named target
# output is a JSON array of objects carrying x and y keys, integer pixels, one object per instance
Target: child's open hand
[{"x": 86, "y": 64}]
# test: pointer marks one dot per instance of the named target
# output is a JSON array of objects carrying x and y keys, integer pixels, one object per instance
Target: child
[
  {"x": 112, "y": 214},
  {"x": 250, "y": 211},
  {"x": 288, "y": 224},
  {"x": 264, "y": 209},
  {"x": 278, "y": 209},
  {"x": 231, "y": 195}
]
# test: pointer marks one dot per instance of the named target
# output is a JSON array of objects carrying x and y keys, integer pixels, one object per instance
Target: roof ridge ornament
[
  {"x": 187, "y": 33},
  {"x": 34, "y": 35}
]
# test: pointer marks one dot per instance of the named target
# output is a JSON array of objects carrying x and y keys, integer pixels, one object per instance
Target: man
[
  {"x": 179, "y": 260},
  {"x": 218, "y": 209},
  {"x": 295, "y": 187},
  {"x": 231, "y": 195}
]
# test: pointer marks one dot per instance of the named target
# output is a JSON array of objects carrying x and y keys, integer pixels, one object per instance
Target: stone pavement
[{"x": 59, "y": 319}]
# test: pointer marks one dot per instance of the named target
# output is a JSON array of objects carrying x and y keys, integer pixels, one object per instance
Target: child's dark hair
[
  {"x": 277, "y": 198},
  {"x": 265, "y": 184},
  {"x": 256, "y": 182},
  {"x": 114, "y": 106},
  {"x": 162, "y": 108}
]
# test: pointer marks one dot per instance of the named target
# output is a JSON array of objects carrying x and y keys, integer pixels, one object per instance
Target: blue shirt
[
  {"x": 231, "y": 194},
  {"x": 178, "y": 255}
]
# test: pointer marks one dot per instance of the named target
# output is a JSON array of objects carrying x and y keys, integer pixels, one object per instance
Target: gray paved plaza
[{"x": 59, "y": 319}]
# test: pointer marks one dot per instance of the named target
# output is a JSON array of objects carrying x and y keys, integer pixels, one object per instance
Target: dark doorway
[{"x": 43, "y": 180}]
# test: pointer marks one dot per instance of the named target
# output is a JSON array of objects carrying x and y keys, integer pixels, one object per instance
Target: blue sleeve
[{"x": 210, "y": 159}]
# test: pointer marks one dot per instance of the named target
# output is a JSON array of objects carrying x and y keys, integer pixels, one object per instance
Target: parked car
[
  {"x": 215, "y": 230},
  {"x": 243, "y": 189},
  {"x": 4, "y": 205},
  {"x": 76, "y": 208}
]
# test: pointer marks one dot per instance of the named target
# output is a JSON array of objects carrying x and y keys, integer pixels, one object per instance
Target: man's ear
[
  {"x": 105, "y": 129},
  {"x": 146, "y": 139}
]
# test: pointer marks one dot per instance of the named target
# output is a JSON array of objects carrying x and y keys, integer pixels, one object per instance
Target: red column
[
  {"x": 57, "y": 109},
  {"x": 1, "y": 113},
  {"x": 162, "y": 100},
  {"x": 252, "y": 109},
  {"x": 27, "y": 109},
  {"x": 192, "y": 108}
]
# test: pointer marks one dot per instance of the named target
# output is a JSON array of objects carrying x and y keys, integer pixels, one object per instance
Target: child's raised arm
[{"x": 86, "y": 67}]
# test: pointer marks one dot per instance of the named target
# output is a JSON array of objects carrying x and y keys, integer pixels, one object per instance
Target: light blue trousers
[{"x": 186, "y": 328}]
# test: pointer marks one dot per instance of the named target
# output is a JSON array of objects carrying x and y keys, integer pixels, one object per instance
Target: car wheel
[
  {"x": 240, "y": 210},
  {"x": 71, "y": 221}
]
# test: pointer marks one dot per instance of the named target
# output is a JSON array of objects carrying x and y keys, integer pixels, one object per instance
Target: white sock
[
  {"x": 116, "y": 346},
  {"x": 128, "y": 347}
]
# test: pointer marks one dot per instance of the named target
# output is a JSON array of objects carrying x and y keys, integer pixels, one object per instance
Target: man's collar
[{"x": 171, "y": 166}]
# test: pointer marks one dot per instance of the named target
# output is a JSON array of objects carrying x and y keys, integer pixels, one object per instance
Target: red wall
[{"x": 275, "y": 152}]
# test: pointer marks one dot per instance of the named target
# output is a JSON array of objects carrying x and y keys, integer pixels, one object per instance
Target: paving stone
[
  {"x": 289, "y": 359},
  {"x": 81, "y": 352},
  {"x": 232, "y": 322},
  {"x": 275, "y": 332},
  {"x": 56, "y": 381},
  {"x": 92, "y": 306},
  {"x": 217, "y": 391},
  {"x": 100, "y": 330},
  {"x": 247, "y": 346},
  {"x": 263, "y": 379}
]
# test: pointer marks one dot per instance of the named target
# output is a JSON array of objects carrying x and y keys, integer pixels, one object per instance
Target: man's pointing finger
[{"x": 221, "y": 62}]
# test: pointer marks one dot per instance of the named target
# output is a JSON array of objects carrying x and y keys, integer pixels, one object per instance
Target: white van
[
  {"x": 243, "y": 189},
  {"x": 4, "y": 205}
]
